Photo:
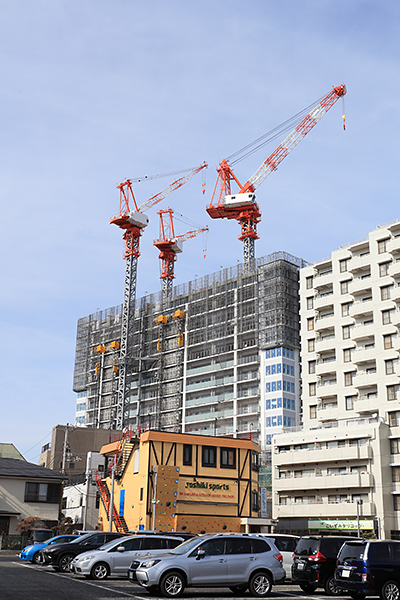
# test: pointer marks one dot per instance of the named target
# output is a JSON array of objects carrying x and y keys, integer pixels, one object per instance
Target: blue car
[{"x": 32, "y": 553}]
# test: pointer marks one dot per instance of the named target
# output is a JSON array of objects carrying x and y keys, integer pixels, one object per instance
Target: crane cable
[{"x": 270, "y": 136}]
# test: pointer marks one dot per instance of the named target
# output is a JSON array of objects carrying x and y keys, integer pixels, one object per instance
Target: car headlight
[
  {"x": 84, "y": 558},
  {"x": 148, "y": 563}
]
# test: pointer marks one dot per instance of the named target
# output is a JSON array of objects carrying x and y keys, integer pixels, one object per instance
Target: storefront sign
[
  {"x": 263, "y": 494},
  {"x": 341, "y": 524}
]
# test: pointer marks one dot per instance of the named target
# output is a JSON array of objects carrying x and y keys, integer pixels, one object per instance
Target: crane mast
[
  {"x": 133, "y": 222},
  {"x": 242, "y": 206},
  {"x": 170, "y": 245}
]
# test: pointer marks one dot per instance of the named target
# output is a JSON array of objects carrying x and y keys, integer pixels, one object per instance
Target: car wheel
[
  {"x": 357, "y": 595},
  {"x": 260, "y": 585},
  {"x": 308, "y": 588},
  {"x": 100, "y": 571},
  {"x": 238, "y": 590},
  {"x": 64, "y": 562},
  {"x": 390, "y": 591},
  {"x": 331, "y": 587},
  {"x": 36, "y": 559},
  {"x": 172, "y": 585}
]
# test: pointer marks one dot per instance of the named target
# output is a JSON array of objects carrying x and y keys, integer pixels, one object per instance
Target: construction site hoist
[
  {"x": 132, "y": 222},
  {"x": 242, "y": 206},
  {"x": 170, "y": 245}
]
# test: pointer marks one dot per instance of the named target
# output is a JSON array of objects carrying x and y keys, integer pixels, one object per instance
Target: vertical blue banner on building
[
  {"x": 263, "y": 491},
  {"x": 121, "y": 503}
]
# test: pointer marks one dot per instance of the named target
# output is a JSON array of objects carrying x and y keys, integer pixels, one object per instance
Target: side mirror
[
  {"x": 200, "y": 554},
  {"x": 121, "y": 549}
]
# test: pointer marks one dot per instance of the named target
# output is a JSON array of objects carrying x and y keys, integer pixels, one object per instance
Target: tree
[{"x": 30, "y": 523}]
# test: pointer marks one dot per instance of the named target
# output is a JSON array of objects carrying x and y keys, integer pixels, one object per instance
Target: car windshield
[
  {"x": 186, "y": 546},
  {"x": 81, "y": 538},
  {"x": 52, "y": 540},
  {"x": 351, "y": 550}
]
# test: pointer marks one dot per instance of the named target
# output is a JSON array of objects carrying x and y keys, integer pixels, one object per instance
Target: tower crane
[
  {"x": 242, "y": 206},
  {"x": 170, "y": 245},
  {"x": 133, "y": 222}
]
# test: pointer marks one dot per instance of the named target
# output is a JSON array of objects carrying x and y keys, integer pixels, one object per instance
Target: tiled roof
[{"x": 12, "y": 467}]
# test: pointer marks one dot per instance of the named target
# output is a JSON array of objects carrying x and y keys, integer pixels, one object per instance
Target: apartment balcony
[
  {"x": 361, "y": 308},
  {"x": 322, "y": 482},
  {"x": 365, "y": 379},
  {"x": 326, "y": 366},
  {"x": 363, "y": 355},
  {"x": 327, "y": 413},
  {"x": 323, "y": 299},
  {"x": 325, "y": 343},
  {"x": 360, "y": 285},
  {"x": 396, "y": 317},
  {"x": 394, "y": 268},
  {"x": 324, "y": 321},
  {"x": 325, "y": 510},
  {"x": 359, "y": 263},
  {"x": 395, "y": 295},
  {"x": 365, "y": 404},
  {"x": 321, "y": 455},
  {"x": 360, "y": 332}
]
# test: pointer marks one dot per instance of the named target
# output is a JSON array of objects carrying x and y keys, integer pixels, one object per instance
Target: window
[
  {"x": 209, "y": 456},
  {"x": 382, "y": 246},
  {"x": 228, "y": 458},
  {"x": 313, "y": 411},
  {"x": 42, "y": 492},
  {"x": 395, "y": 446},
  {"x": 347, "y": 355},
  {"x": 346, "y": 309},
  {"x": 310, "y": 303},
  {"x": 346, "y": 332},
  {"x": 349, "y": 400},
  {"x": 254, "y": 502},
  {"x": 389, "y": 367},
  {"x": 343, "y": 265},
  {"x": 395, "y": 474},
  {"x": 396, "y": 502},
  {"x": 394, "y": 418},
  {"x": 385, "y": 292},
  {"x": 312, "y": 389},
  {"x": 384, "y": 269},
  {"x": 391, "y": 392},
  {"x": 344, "y": 287},
  {"x": 136, "y": 461},
  {"x": 309, "y": 283},
  {"x": 311, "y": 366},
  {"x": 141, "y": 495},
  {"x": 310, "y": 324},
  {"x": 187, "y": 454},
  {"x": 388, "y": 341},
  {"x": 311, "y": 345},
  {"x": 255, "y": 465},
  {"x": 348, "y": 378},
  {"x": 387, "y": 316}
]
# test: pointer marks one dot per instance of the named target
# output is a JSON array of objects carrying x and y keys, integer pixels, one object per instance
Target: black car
[
  {"x": 370, "y": 568},
  {"x": 314, "y": 562},
  {"x": 59, "y": 556}
]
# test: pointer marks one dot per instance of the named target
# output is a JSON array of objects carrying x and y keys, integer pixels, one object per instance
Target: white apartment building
[{"x": 345, "y": 462}]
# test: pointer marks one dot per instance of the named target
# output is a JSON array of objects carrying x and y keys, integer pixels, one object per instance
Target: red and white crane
[
  {"x": 242, "y": 206},
  {"x": 170, "y": 245},
  {"x": 132, "y": 220}
]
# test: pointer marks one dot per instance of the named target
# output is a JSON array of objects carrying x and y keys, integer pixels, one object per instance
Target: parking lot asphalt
[{"x": 23, "y": 581}]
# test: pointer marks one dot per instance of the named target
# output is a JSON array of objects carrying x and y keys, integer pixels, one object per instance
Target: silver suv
[
  {"x": 115, "y": 557},
  {"x": 234, "y": 560}
]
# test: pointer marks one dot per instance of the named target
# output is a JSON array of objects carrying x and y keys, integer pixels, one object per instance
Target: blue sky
[{"x": 95, "y": 91}]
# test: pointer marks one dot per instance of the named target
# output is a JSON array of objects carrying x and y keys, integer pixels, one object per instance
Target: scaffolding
[{"x": 200, "y": 373}]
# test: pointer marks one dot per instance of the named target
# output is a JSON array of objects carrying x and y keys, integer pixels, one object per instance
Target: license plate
[
  {"x": 345, "y": 573},
  {"x": 300, "y": 566}
]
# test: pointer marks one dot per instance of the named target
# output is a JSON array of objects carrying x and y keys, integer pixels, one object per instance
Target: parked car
[
  {"x": 237, "y": 561},
  {"x": 286, "y": 545},
  {"x": 314, "y": 563},
  {"x": 59, "y": 556},
  {"x": 32, "y": 553},
  {"x": 115, "y": 557},
  {"x": 370, "y": 568}
]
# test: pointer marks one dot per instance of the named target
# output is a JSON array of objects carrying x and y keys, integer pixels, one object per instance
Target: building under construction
[{"x": 219, "y": 357}]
